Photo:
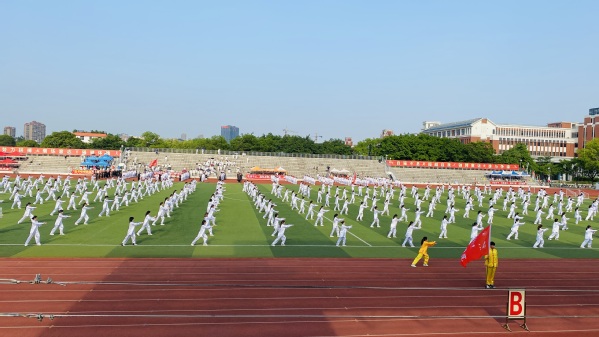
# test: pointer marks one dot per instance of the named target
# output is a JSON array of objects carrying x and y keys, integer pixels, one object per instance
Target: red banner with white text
[
  {"x": 451, "y": 165},
  {"x": 59, "y": 152},
  {"x": 507, "y": 182},
  {"x": 82, "y": 171},
  {"x": 251, "y": 176}
]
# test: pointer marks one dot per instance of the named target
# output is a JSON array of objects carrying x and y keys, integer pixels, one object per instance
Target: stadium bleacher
[{"x": 296, "y": 166}]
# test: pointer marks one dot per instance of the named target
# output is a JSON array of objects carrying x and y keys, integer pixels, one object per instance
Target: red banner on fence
[
  {"x": 507, "y": 182},
  {"x": 251, "y": 176},
  {"x": 59, "y": 152},
  {"x": 82, "y": 171},
  {"x": 451, "y": 165}
]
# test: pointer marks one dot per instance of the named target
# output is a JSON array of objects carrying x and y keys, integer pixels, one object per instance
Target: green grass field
[{"x": 241, "y": 231}]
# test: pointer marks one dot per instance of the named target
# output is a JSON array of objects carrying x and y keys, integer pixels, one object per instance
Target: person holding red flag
[{"x": 491, "y": 263}]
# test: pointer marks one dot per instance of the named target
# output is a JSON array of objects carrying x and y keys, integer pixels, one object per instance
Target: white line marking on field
[
  {"x": 359, "y": 238},
  {"x": 354, "y": 235}
]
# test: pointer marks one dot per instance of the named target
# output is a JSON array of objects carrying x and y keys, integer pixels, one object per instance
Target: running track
[{"x": 292, "y": 297}]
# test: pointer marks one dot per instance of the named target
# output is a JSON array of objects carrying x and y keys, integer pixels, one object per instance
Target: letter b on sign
[{"x": 516, "y": 304}]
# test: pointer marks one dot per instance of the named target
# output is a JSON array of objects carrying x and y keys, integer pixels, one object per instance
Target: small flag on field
[{"x": 153, "y": 163}]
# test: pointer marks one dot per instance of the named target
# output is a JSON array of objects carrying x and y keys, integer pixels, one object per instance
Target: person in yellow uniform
[
  {"x": 491, "y": 263},
  {"x": 424, "y": 244}
]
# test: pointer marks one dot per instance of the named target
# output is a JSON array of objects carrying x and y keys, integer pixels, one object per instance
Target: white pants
[
  {"x": 539, "y": 243},
  {"x": 392, "y": 232},
  {"x": 203, "y": 236},
  {"x": 85, "y": 217},
  {"x": 129, "y": 236},
  {"x": 147, "y": 227},
  {"x": 514, "y": 233},
  {"x": 443, "y": 233},
  {"x": 282, "y": 238},
  {"x": 105, "y": 211},
  {"x": 407, "y": 240},
  {"x": 60, "y": 227},
  {"x": 320, "y": 220},
  {"x": 33, "y": 234}
]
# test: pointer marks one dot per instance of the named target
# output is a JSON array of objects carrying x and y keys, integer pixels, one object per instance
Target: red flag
[
  {"x": 154, "y": 162},
  {"x": 478, "y": 248}
]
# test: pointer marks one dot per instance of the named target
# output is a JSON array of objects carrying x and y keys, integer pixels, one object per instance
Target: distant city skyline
[
  {"x": 334, "y": 69},
  {"x": 236, "y": 132}
]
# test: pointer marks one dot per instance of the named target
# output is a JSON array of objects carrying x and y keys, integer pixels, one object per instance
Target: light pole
[{"x": 520, "y": 167}]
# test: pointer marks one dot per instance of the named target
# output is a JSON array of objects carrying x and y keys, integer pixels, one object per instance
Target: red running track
[{"x": 292, "y": 297}]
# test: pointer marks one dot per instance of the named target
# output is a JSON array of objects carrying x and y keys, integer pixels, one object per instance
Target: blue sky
[{"x": 335, "y": 68}]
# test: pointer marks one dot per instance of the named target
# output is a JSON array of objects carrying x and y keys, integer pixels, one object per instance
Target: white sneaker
[{"x": 414, "y": 265}]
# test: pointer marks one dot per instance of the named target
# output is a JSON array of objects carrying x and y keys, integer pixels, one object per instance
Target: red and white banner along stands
[
  {"x": 59, "y": 151},
  {"x": 451, "y": 165},
  {"x": 507, "y": 182},
  {"x": 82, "y": 171},
  {"x": 258, "y": 176}
]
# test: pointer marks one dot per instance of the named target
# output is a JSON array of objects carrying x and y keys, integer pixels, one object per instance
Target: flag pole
[{"x": 489, "y": 242}]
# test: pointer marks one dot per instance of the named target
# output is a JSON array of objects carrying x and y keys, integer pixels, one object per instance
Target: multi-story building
[
  {"x": 229, "y": 132},
  {"x": 35, "y": 131},
  {"x": 11, "y": 131},
  {"x": 556, "y": 140},
  {"x": 589, "y": 129},
  {"x": 87, "y": 137},
  {"x": 471, "y": 130}
]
